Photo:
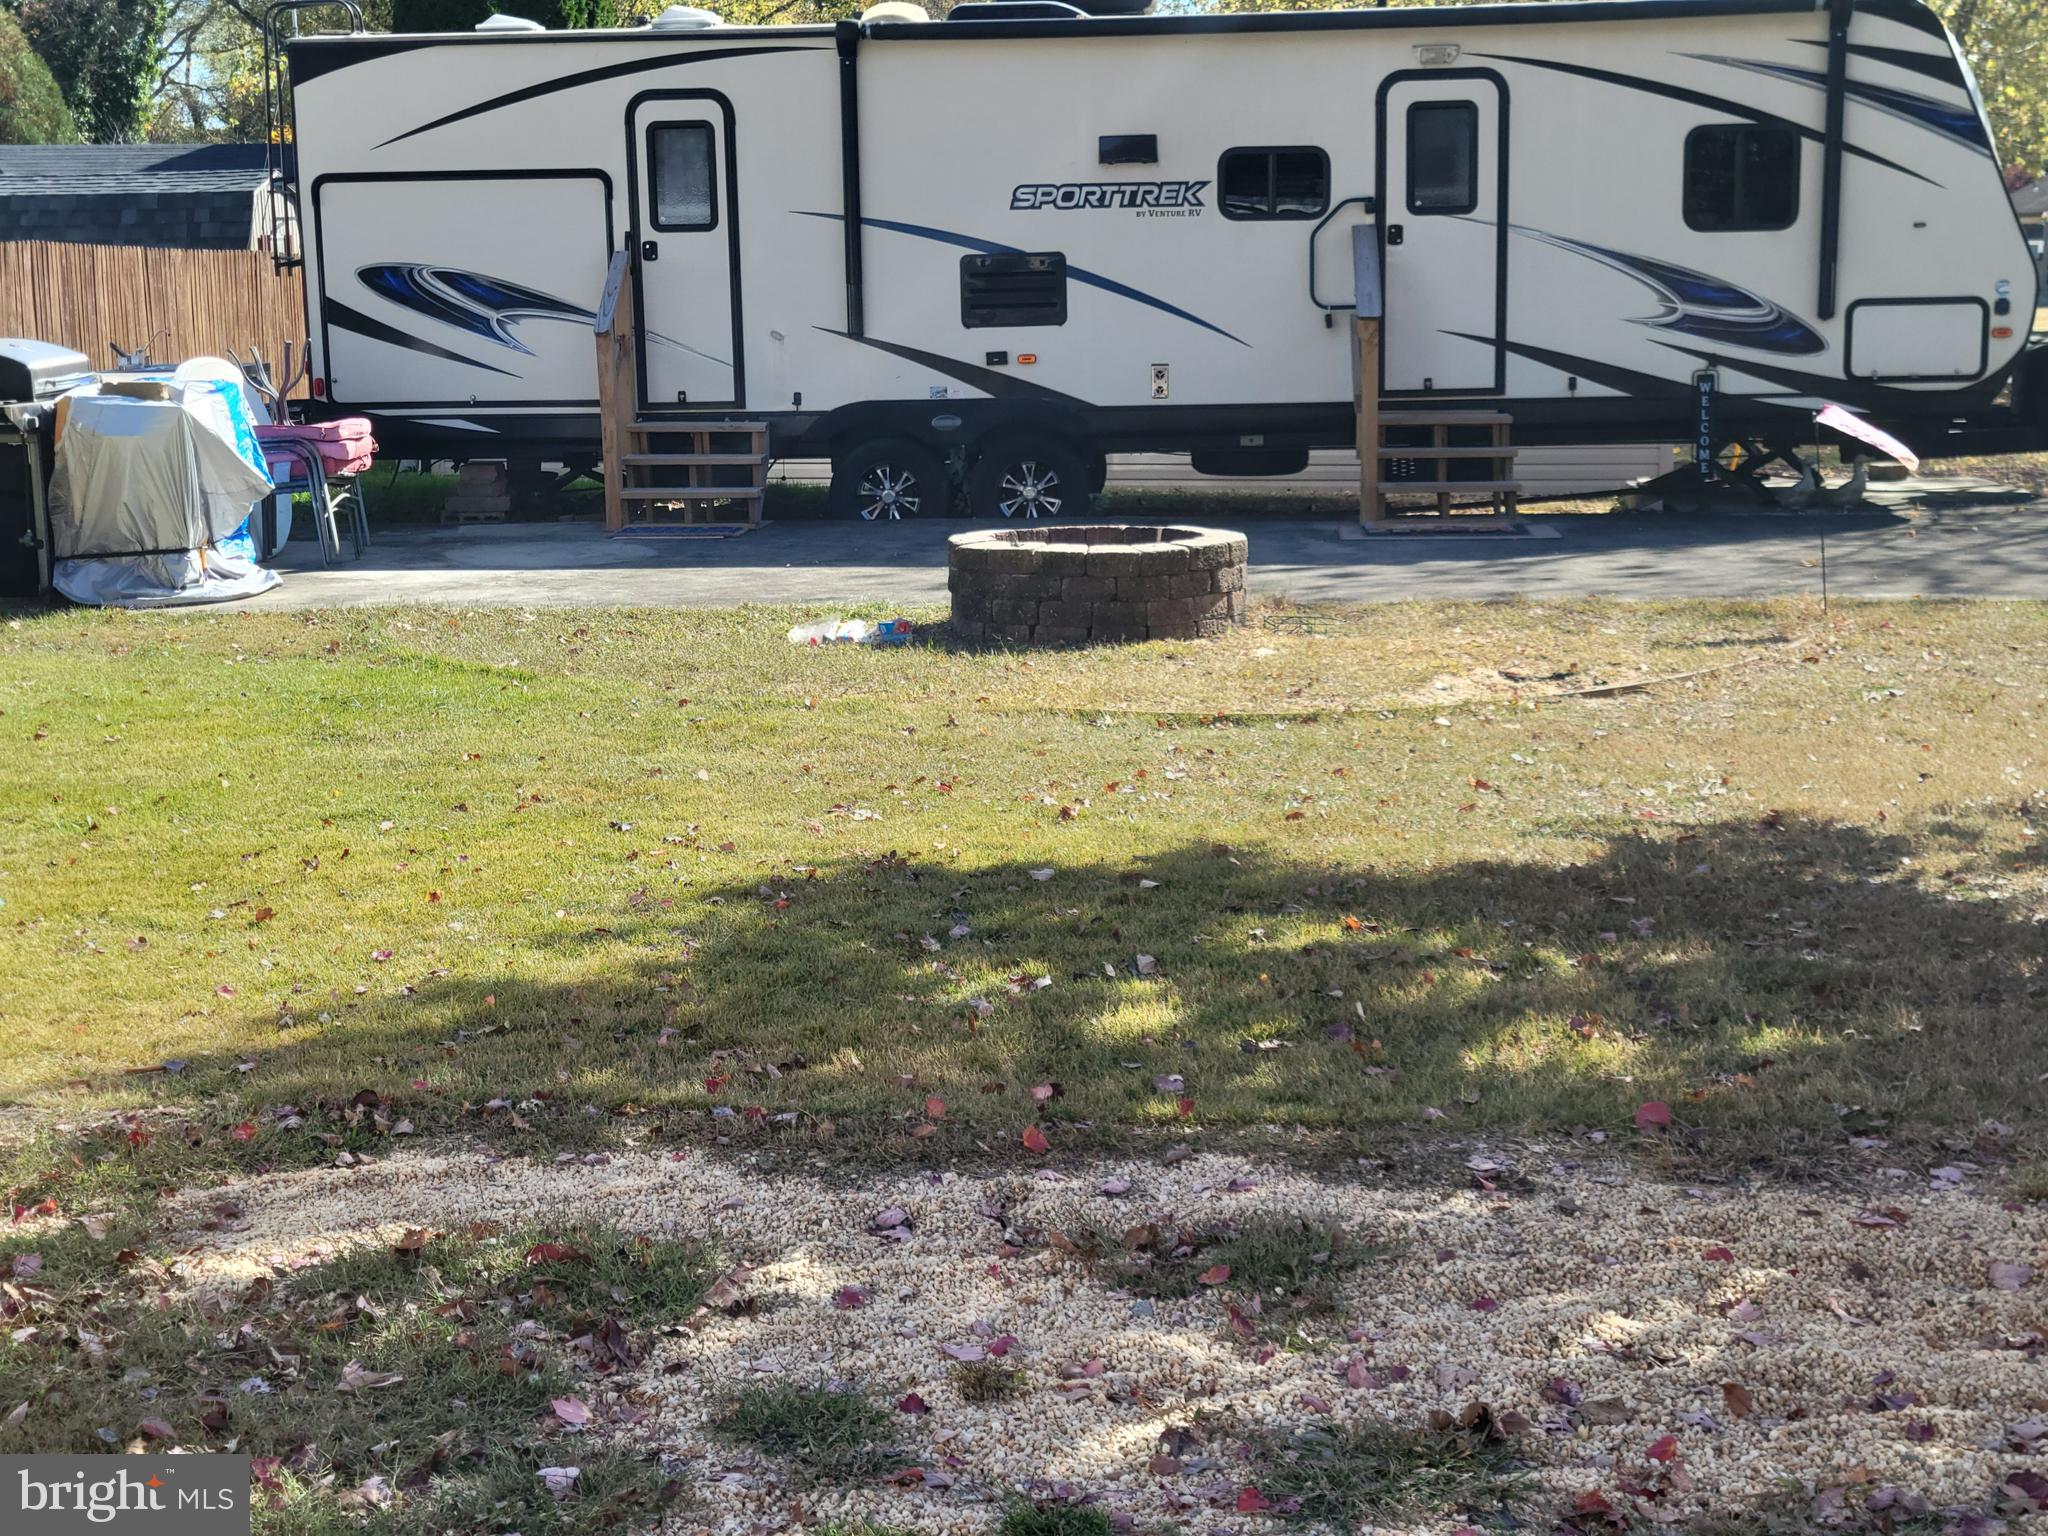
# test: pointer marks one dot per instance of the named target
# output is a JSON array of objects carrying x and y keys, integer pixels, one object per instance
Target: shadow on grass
[
  {"x": 422, "y": 1388},
  {"x": 1779, "y": 983}
]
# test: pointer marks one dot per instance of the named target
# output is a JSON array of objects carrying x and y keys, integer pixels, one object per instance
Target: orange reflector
[
  {"x": 2001, "y": 333},
  {"x": 1032, "y": 357}
]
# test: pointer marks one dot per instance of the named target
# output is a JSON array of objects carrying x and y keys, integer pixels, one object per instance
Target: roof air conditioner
[{"x": 687, "y": 18}]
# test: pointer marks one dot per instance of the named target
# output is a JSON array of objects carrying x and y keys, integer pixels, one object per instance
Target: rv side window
[
  {"x": 1013, "y": 288},
  {"x": 1741, "y": 176},
  {"x": 1291, "y": 183},
  {"x": 1443, "y": 157},
  {"x": 681, "y": 177}
]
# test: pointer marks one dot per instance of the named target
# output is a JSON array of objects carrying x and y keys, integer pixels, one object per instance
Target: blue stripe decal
[
  {"x": 1697, "y": 303},
  {"x": 1952, "y": 120},
  {"x": 992, "y": 248}
]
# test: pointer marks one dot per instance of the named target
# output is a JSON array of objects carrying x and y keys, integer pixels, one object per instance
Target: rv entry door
[
  {"x": 1443, "y": 229},
  {"x": 685, "y": 239}
]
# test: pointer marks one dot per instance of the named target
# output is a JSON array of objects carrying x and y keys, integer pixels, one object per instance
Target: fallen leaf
[
  {"x": 1214, "y": 1275},
  {"x": 1656, "y": 1113},
  {"x": 572, "y": 1411},
  {"x": 1034, "y": 1140},
  {"x": 2006, "y": 1276},
  {"x": 935, "y": 1109},
  {"x": 356, "y": 1378},
  {"x": 1665, "y": 1449},
  {"x": 849, "y": 1298},
  {"x": 1736, "y": 1397},
  {"x": 910, "y": 1402},
  {"x": 1249, "y": 1500}
]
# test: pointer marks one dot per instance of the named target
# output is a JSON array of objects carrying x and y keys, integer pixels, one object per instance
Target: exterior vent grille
[{"x": 1013, "y": 288}]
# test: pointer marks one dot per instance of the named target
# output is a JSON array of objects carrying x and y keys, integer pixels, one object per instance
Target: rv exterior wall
[{"x": 1641, "y": 198}]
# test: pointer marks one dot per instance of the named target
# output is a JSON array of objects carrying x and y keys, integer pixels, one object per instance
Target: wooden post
[
  {"x": 1365, "y": 333},
  {"x": 616, "y": 389}
]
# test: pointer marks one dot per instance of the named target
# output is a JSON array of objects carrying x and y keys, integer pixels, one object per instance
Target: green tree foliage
[
  {"x": 2006, "y": 42},
  {"x": 32, "y": 109},
  {"x": 103, "y": 55},
  {"x": 461, "y": 15}
]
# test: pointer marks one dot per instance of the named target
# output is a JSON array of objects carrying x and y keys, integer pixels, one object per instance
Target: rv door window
[
  {"x": 1741, "y": 176},
  {"x": 1443, "y": 157},
  {"x": 1289, "y": 183},
  {"x": 681, "y": 176}
]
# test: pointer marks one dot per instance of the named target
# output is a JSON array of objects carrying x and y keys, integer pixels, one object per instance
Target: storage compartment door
[
  {"x": 1901, "y": 340},
  {"x": 470, "y": 289}
]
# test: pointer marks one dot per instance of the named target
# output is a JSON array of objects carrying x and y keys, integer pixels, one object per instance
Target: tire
[
  {"x": 888, "y": 480},
  {"x": 1029, "y": 477}
]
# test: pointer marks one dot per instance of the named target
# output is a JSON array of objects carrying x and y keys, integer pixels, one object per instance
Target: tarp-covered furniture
[{"x": 150, "y": 498}]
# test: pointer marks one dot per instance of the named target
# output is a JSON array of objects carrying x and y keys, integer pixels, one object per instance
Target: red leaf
[
  {"x": 1214, "y": 1276},
  {"x": 1250, "y": 1501},
  {"x": 555, "y": 1253},
  {"x": 1034, "y": 1140},
  {"x": 1043, "y": 1093},
  {"x": 1186, "y": 1106},
  {"x": 910, "y": 1402},
  {"x": 849, "y": 1298},
  {"x": 1719, "y": 1255},
  {"x": 935, "y": 1109},
  {"x": 1656, "y": 1113},
  {"x": 1484, "y": 1304},
  {"x": 1665, "y": 1449},
  {"x": 246, "y": 1131}
]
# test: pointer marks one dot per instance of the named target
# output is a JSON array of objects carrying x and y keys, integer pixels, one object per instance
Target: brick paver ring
[{"x": 1073, "y": 585}]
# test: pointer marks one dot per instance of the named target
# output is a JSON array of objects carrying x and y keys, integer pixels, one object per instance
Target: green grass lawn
[{"x": 286, "y": 885}]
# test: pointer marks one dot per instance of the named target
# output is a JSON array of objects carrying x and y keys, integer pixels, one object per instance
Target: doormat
[{"x": 687, "y": 531}]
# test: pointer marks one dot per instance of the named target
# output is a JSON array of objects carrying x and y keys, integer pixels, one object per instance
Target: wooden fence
[{"x": 178, "y": 303}]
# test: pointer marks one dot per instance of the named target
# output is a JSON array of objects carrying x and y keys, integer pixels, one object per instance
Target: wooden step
[
  {"x": 690, "y": 492},
  {"x": 1446, "y": 487},
  {"x": 693, "y": 458},
  {"x": 1428, "y": 451},
  {"x": 682, "y": 424},
  {"x": 1446, "y": 418}
]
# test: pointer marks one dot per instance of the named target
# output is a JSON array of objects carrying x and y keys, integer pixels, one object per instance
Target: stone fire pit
[{"x": 1071, "y": 585}]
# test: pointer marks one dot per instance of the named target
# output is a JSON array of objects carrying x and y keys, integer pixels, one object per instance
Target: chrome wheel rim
[
  {"x": 888, "y": 493},
  {"x": 1030, "y": 489}
]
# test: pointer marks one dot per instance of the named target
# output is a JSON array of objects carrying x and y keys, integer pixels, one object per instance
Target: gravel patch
[{"x": 1774, "y": 1334}]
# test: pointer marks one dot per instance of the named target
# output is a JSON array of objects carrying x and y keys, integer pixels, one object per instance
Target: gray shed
[{"x": 183, "y": 196}]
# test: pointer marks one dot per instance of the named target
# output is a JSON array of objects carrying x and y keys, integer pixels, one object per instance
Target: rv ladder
[{"x": 1444, "y": 452}]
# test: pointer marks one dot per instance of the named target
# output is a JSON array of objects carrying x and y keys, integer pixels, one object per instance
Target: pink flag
[{"x": 1851, "y": 425}]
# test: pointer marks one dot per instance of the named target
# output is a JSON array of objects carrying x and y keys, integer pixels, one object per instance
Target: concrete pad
[{"x": 1956, "y": 548}]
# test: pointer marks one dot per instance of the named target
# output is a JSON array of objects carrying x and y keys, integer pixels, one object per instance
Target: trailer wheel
[
  {"x": 1029, "y": 477},
  {"x": 890, "y": 479}
]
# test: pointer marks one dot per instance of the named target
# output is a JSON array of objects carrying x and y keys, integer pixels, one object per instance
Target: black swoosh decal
[
  {"x": 999, "y": 385},
  {"x": 1699, "y": 99},
  {"x": 592, "y": 76},
  {"x": 338, "y": 313},
  {"x": 991, "y": 248},
  {"x": 1643, "y": 386},
  {"x": 1856, "y": 392},
  {"x": 1935, "y": 66}
]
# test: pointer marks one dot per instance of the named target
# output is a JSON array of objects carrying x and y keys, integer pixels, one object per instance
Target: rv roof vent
[
  {"x": 1016, "y": 10},
  {"x": 503, "y": 23},
  {"x": 687, "y": 18},
  {"x": 895, "y": 10}
]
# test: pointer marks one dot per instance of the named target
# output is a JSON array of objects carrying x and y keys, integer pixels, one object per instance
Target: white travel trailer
[{"x": 1026, "y": 233}]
